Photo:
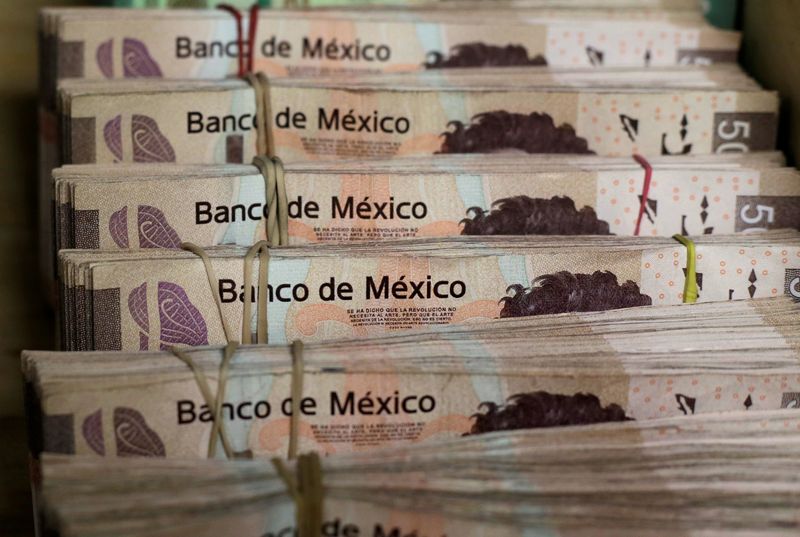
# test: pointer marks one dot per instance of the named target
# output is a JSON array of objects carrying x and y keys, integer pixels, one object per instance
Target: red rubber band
[
  {"x": 648, "y": 176},
  {"x": 251, "y": 36},
  {"x": 239, "y": 37}
]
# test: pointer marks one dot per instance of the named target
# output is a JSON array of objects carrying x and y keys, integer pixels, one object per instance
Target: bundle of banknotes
[
  {"x": 426, "y": 242},
  {"x": 408, "y": 387},
  {"x": 161, "y": 205},
  {"x": 104, "y": 43},
  {"x": 690, "y": 5},
  {"x": 151, "y": 298},
  {"x": 101, "y": 44},
  {"x": 713, "y": 475},
  {"x": 614, "y": 113},
  {"x": 603, "y": 112}
]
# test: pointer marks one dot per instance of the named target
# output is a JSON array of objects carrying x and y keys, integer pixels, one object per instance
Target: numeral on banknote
[{"x": 741, "y": 132}]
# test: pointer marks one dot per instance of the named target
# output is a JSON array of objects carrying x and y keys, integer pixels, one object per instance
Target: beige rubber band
[
  {"x": 262, "y": 145},
  {"x": 260, "y": 83},
  {"x": 298, "y": 369},
  {"x": 260, "y": 249},
  {"x": 306, "y": 491},
  {"x": 212, "y": 283},
  {"x": 213, "y": 403},
  {"x": 277, "y": 226},
  {"x": 266, "y": 117}
]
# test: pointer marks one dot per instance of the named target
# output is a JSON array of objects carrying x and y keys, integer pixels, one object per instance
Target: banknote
[
  {"x": 560, "y": 482},
  {"x": 679, "y": 111},
  {"x": 108, "y": 43},
  {"x": 152, "y": 298},
  {"x": 432, "y": 197},
  {"x": 420, "y": 386},
  {"x": 154, "y": 44},
  {"x": 214, "y": 122},
  {"x": 454, "y": 4}
]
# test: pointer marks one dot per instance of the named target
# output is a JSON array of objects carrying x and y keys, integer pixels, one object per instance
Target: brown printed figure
[
  {"x": 482, "y": 55},
  {"x": 566, "y": 292},
  {"x": 522, "y": 215},
  {"x": 501, "y": 131},
  {"x": 543, "y": 409}
]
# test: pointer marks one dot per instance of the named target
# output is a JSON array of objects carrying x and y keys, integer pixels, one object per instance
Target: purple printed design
[
  {"x": 105, "y": 59},
  {"x": 136, "y": 60},
  {"x": 181, "y": 322},
  {"x": 112, "y": 134},
  {"x": 134, "y": 437},
  {"x": 93, "y": 432},
  {"x": 137, "y": 306},
  {"x": 154, "y": 230},
  {"x": 149, "y": 145},
  {"x": 118, "y": 227}
]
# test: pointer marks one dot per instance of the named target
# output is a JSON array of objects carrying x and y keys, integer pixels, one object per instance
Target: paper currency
[
  {"x": 153, "y": 44},
  {"x": 214, "y": 122},
  {"x": 108, "y": 43},
  {"x": 418, "y": 386},
  {"x": 147, "y": 299},
  {"x": 165, "y": 204},
  {"x": 716, "y": 475},
  {"x": 638, "y": 5}
]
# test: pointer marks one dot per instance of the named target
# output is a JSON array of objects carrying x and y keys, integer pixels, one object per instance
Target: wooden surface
[{"x": 770, "y": 52}]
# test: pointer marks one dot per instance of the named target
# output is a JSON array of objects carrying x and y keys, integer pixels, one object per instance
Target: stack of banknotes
[
  {"x": 133, "y": 206},
  {"x": 418, "y": 233},
  {"x": 714, "y": 475},
  {"x": 152, "y": 298},
  {"x": 409, "y": 387},
  {"x": 204, "y": 122}
]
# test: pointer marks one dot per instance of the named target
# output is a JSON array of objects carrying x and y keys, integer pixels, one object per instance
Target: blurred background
[{"x": 771, "y": 38}]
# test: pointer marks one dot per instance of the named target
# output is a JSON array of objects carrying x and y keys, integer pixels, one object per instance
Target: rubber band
[
  {"x": 251, "y": 36},
  {"x": 212, "y": 283},
  {"x": 237, "y": 16},
  {"x": 648, "y": 176},
  {"x": 264, "y": 143},
  {"x": 214, "y": 403},
  {"x": 260, "y": 249},
  {"x": 306, "y": 491},
  {"x": 245, "y": 55},
  {"x": 264, "y": 121},
  {"x": 690, "y": 291},
  {"x": 277, "y": 225},
  {"x": 298, "y": 369}
]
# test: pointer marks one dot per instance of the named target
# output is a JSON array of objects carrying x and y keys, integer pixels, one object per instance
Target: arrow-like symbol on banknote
[
  {"x": 595, "y": 55},
  {"x": 685, "y": 403},
  {"x": 631, "y": 126}
]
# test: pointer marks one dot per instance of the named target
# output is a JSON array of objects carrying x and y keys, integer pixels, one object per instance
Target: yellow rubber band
[{"x": 690, "y": 291}]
